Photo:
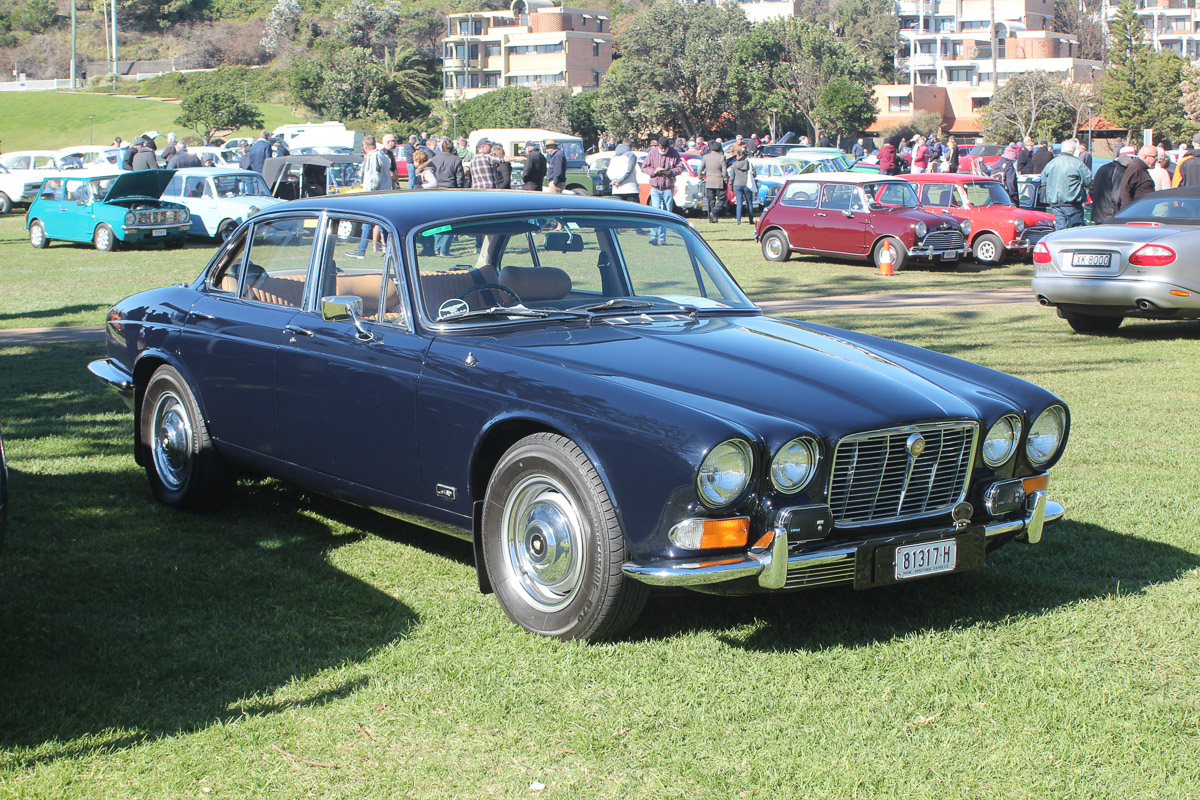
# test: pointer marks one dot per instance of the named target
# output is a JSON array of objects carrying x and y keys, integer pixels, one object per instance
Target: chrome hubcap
[
  {"x": 35, "y": 234},
  {"x": 172, "y": 445},
  {"x": 774, "y": 247},
  {"x": 543, "y": 542},
  {"x": 987, "y": 251},
  {"x": 102, "y": 238}
]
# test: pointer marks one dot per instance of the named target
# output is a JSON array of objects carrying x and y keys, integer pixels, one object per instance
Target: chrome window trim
[{"x": 1018, "y": 434}]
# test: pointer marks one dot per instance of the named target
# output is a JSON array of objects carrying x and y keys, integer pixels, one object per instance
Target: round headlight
[
  {"x": 725, "y": 473},
  {"x": 184, "y": 215},
  {"x": 130, "y": 218},
  {"x": 1019, "y": 224},
  {"x": 1046, "y": 435},
  {"x": 965, "y": 225},
  {"x": 921, "y": 230},
  {"x": 1001, "y": 440},
  {"x": 794, "y": 465}
]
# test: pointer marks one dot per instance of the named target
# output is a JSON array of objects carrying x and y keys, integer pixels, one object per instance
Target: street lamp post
[{"x": 90, "y": 128}]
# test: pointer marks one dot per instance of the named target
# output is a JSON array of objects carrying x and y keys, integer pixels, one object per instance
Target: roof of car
[
  {"x": 947, "y": 177},
  {"x": 418, "y": 206},
  {"x": 214, "y": 171},
  {"x": 849, "y": 177}
]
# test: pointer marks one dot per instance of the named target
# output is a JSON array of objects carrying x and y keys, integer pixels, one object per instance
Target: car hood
[
  {"x": 829, "y": 381},
  {"x": 139, "y": 183},
  {"x": 1032, "y": 218}
]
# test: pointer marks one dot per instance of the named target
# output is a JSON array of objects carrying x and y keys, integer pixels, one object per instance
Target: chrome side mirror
[{"x": 346, "y": 307}]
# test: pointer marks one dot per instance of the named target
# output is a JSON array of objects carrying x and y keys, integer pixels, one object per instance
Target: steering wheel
[{"x": 483, "y": 287}]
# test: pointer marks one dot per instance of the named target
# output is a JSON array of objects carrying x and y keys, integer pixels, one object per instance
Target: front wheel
[
  {"x": 104, "y": 239},
  {"x": 184, "y": 468},
  {"x": 988, "y": 249},
  {"x": 899, "y": 252},
  {"x": 37, "y": 235},
  {"x": 775, "y": 246},
  {"x": 226, "y": 229},
  {"x": 1093, "y": 323},
  {"x": 552, "y": 546}
]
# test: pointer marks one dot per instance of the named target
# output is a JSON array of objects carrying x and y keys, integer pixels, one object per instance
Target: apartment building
[
  {"x": 1172, "y": 25},
  {"x": 946, "y": 54},
  {"x": 534, "y": 43}
]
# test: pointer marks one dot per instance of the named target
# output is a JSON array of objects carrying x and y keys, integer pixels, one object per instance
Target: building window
[
  {"x": 492, "y": 79},
  {"x": 555, "y": 78},
  {"x": 943, "y": 25},
  {"x": 595, "y": 77},
  {"x": 927, "y": 47},
  {"x": 902, "y": 103},
  {"x": 470, "y": 27},
  {"x": 978, "y": 103},
  {"x": 491, "y": 49},
  {"x": 958, "y": 75},
  {"x": 595, "y": 49},
  {"x": 525, "y": 49}
]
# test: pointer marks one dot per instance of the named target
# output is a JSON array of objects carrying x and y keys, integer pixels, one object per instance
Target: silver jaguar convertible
[{"x": 1143, "y": 265}]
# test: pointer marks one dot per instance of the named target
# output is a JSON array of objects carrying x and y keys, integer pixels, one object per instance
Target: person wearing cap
[
  {"x": 1106, "y": 186},
  {"x": 662, "y": 164},
  {"x": 1137, "y": 180},
  {"x": 1005, "y": 171},
  {"x": 144, "y": 157},
  {"x": 535, "y": 168},
  {"x": 1066, "y": 182},
  {"x": 1187, "y": 171},
  {"x": 556, "y": 167},
  {"x": 1025, "y": 158}
]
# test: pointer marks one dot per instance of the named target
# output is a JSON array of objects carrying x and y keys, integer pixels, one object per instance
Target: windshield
[
  {"x": 894, "y": 194},
  {"x": 1176, "y": 209},
  {"x": 987, "y": 150},
  {"x": 987, "y": 193},
  {"x": 574, "y": 265},
  {"x": 344, "y": 176},
  {"x": 241, "y": 186}
]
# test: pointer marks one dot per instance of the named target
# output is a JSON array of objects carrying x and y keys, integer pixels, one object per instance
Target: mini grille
[
  {"x": 875, "y": 479},
  {"x": 821, "y": 574},
  {"x": 1034, "y": 235},
  {"x": 943, "y": 240}
]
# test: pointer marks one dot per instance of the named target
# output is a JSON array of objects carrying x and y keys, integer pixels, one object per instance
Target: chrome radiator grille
[
  {"x": 876, "y": 479},
  {"x": 943, "y": 240},
  {"x": 159, "y": 217},
  {"x": 1034, "y": 235}
]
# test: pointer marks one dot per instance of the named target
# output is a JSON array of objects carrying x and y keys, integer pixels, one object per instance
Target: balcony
[{"x": 912, "y": 8}]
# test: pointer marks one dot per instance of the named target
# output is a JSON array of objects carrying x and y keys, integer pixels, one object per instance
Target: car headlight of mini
[
  {"x": 1046, "y": 435},
  {"x": 130, "y": 218},
  {"x": 965, "y": 226},
  {"x": 1019, "y": 225},
  {"x": 794, "y": 465},
  {"x": 1001, "y": 440},
  {"x": 725, "y": 473},
  {"x": 921, "y": 230}
]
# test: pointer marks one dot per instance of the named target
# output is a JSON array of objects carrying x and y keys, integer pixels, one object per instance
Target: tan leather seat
[{"x": 537, "y": 283}]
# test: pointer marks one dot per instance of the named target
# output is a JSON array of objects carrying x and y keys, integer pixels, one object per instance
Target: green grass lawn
[
  {"x": 292, "y": 646},
  {"x": 72, "y": 284},
  {"x": 53, "y": 120}
]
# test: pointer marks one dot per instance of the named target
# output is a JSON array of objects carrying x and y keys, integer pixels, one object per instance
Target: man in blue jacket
[{"x": 259, "y": 152}]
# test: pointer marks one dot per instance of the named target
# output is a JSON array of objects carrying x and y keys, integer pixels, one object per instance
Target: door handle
[
  {"x": 822, "y": 214},
  {"x": 297, "y": 330},
  {"x": 202, "y": 315}
]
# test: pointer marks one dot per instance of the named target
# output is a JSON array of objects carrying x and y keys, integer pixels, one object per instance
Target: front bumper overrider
[{"x": 836, "y": 562}]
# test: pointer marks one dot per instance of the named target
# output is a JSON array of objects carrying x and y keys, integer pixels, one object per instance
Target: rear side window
[{"x": 800, "y": 194}]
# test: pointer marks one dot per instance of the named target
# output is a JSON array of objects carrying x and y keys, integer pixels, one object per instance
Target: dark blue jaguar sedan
[{"x": 578, "y": 387}]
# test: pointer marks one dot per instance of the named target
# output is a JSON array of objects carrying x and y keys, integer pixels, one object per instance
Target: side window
[
  {"x": 937, "y": 194},
  {"x": 225, "y": 277},
  {"x": 79, "y": 191},
  {"x": 175, "y": 187},
  {"x": 278, "y": 259},
  {"x": 837, "y": 197},
  {"x": 53, "y": 190},
  {"x": 195, "y": 186},
  {"x": 369, "y": 273},
  {"x": 800, "y": 194}
]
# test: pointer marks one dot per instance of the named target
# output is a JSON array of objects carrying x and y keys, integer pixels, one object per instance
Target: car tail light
[
  {"x": 1152, "y": 255},
  {"x": 1041, "y": 253}
]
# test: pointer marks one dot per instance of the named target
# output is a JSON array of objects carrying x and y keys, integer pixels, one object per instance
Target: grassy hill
[{"x": 50, "y": 120}]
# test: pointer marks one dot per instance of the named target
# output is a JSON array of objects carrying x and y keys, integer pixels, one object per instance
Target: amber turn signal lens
[
  {"x": 725, "y": 533},
  {"x": 1179, "y": 293},
  {"x": 1036, "y": 483}
]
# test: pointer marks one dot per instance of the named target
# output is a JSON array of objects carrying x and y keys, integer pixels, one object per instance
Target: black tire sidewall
[
  {"x": 547, "y": 455},
  {"x": 785, "y": 248}
]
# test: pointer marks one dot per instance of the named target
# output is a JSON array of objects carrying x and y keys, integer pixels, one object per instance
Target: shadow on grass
[
  {"x": 1075, "y": 562},
  {"x": 62, "y": 311},
  {"x": 122, "y": 620}
]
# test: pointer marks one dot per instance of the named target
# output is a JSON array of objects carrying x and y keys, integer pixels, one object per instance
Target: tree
[
  {"x": 582, "y": 118},
  {"x": 548, "y": 107},
  {"x": 1125, "y": 88},
  {"x": 351, "y": 83},
  {"x": 214, "y": 107},
  {"x": 673, "y": 71},
  {"x": 872, "y": 28},
  {"x": 1086, "y": 23},
  {"x": 501, "y": 108},
  {"x": 845, "y": 108},
  {"x": 785, "y": 64},
  {"x": 281, "y": 26},
  {"x": 1029, "y": 104},
  {"x": 922, "y": 122}
]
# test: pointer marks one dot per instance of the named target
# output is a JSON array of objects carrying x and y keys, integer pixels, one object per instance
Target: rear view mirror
[
  {"x": 563, "y": 242},
  {"x": 345, "y": 307}
]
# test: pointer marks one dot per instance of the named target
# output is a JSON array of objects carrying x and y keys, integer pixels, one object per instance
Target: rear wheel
[
  {"x": 775, "y": 246},
  {"x": 1092, "y": 323},
  {"x": 988, "y": 249},
  {"x": 552, "y": 545},
  {"x": 104, "y": 239},
  {"x": 37, "y": 235},
  {"x": 899, "y": 252},
  {"x": 184, "y": 468},
  {"x": 226, "y": 229},
  {"x": 6, "y": 203}
]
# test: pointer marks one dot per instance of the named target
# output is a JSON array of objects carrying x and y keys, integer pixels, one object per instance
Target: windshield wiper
[{"x": 509, "y": 311}]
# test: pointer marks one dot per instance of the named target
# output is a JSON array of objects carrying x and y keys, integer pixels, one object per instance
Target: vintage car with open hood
[
  {"x": 600, "y": 413},
  {"x": 107, "y": 209},
  {"x": 859, "y": 216}
]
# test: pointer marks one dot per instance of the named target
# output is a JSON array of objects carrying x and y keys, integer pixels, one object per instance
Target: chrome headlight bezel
[
  {"x": 1019, "y": 225},
  {"x": 714, "y": 464},
  {"x": 965, "y": 227},
  {"x": 1007, "y": 432},
  {"x": 803, "y": 451},
  {"x": 921, "y": 229},
  {"x": 130, "y": 218},
  {"x": 1049, "y": 430}
]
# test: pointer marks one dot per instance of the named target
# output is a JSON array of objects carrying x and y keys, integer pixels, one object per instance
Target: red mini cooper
[
  {"x": 858, "y": 215},
  {"x": 998, "y": 228}
]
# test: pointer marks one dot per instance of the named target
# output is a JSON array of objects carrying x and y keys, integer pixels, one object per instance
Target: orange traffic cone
[{"x": 886, "y": 260}]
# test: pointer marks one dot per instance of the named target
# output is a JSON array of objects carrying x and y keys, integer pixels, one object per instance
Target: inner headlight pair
[
  {"x": 1045, "y": 438},
  {"x": 728, "y": 468}
]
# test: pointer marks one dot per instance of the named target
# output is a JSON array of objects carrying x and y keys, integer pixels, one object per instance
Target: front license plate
[
  {"x": 947, "y": 255},
  {"x": 159, "y": 232},
  {"x": 926, "y": 558},
  {"x": 1091, "y": 259}
]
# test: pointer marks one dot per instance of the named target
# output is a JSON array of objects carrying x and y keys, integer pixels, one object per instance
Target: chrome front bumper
[
  {"x": 939, "y": 255},
  {"x": 776, "y": 569},
  {"x": 114, "y": 376}
]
